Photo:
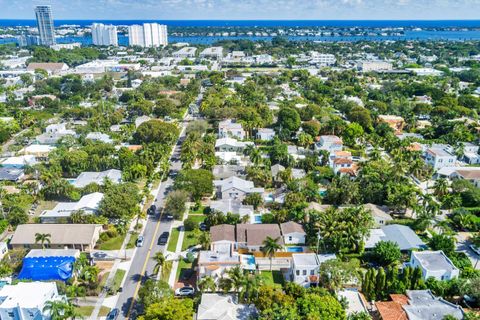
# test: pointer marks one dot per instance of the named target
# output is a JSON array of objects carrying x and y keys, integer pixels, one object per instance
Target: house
[
  {"x": 341, "y": 162},
  {"x": 230, "y": 128},
  {"x": 265, "y": 134},
  {"x": 417, "y": 305},
  {"x": 3, "y": 249},
  {"x": 471, "y": 174},
  {"x": 86, "y": 178},
  {"x": 11, "y": 174},
  {"x": 231, "y": 145},
  {"x": 140, "y": 120},
  {"x": 215, "y": 264},
  {"x": 233, "y": 206},
  {"x": 50, "y": 67},
  {"x": 252, "y": 236},
  {"x": 222, "y": 239},
  {"x": 329, "y": 143},
  {"x": 89, "y": 204},
  {"x": 380, "y": 214},
  {"x": 296, "y": 173},
  {"x": 293, "y": 233},
  {"x": 439, "y": 156},
  {"x": 212, "y": 52},
  {"x": 98, "y": 136},
  {"x": 73, "y": 236},
  {"x": 305, "y": 267},
  {"x": 214, "y": 306},
  {"x": 434, "y": 264},
  {"x": 48, "y": 264},
  {"x": 221, "y": 172},
  {"x": 53, "y": 133},
  {"x": 229, "y": 157},
  {"x": 470, "y": 153},
  {"x": 356, "y": 301},
  {"x": 402, "y": 235},
  {"x": 235, "y": 188},
  {"x": 395, "y": 122},
  {"x": 19, "y": 162},
  {"x": 40, "y": 151},
  {"x": 27, "y": 300}
]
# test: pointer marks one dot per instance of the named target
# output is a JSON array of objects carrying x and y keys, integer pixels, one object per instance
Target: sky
[{"x": 247, "y": 9}]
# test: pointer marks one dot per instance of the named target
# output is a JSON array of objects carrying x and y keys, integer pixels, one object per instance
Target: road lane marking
[{"x": 137, "y": 288}]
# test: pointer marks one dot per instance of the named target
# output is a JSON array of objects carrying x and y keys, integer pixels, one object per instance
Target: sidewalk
[
  {"x": 119, "y": 257},
  {"x": 178, "y": 249}
]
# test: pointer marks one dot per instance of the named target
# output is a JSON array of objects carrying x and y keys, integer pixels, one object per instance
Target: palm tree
[
  {"x": 43, "y": 238},
  {"x": 160, "y": 260},
  {"x": 270, "y": 247},
  {"x": 256, "y": 156},
  {"x": 207, "y": 284},
  {"x": 237, "y": 277},
  {"x": 60, "y": 309},
  {"x": 204, "y": 240},
  {"x": 441, "y": 187}
]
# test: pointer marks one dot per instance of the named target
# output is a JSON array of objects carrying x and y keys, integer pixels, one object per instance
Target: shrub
[{"x": 190, "y": 224}]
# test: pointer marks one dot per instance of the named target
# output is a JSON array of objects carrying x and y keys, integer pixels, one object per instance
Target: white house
[
  {"x": 19, "y": 162},
  {"x": 231, "y": 145},
  {"x": 26, "y": 300},
  {"x": 214, "y": 306},
  {"x": 439, "y": 156},
  {"x": 293, "y": 233},
  {"x": 98, "y": 136},
  {"x": 86, "y": 178},
  {"x": 305, "y": 267},
  {"x": 434, "y": 264},
  {"x": 470, "y": 153},
  {"x": 329, "y": 143},
  {"x": 230, "y": 128},
  {"x": 222, "y": 239},
  {"x": 235, "y": 188},
  {"x": 88, "y": 204},
  {"x": 265, "y": 134},
  {"x": 3, "y": 249}
]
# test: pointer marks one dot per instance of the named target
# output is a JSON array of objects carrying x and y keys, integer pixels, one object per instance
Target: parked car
[
  {"x": 152, "y": 209},
  {"x": 140, "y": 241},
  {"x": 185, "y": 292},
  {"x": 202, "y": 226},
  {"x": 112, "y": 315},
  {"x": 162, "y": 240},
  {"x": 475, "y": 249}
]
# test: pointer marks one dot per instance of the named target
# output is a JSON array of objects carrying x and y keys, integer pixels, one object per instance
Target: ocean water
[{"x": 459, "y": 30}]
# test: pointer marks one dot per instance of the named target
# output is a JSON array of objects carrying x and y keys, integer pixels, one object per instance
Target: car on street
[
  {"x": 475, "y": 249},
  {"x": 202, "y": 226},
  {"x": 185, "y": 291},
  {"x": 139, "y": 242},
  {"x": 152, "y": 209},
  {"x": 112, "y": 315},
  {"x": 162, "y": 240}
]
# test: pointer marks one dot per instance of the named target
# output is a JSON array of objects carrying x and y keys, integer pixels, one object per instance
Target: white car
[{"x": 185, "y": 292}]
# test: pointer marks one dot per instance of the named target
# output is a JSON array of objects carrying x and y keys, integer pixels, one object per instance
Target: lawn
[
  {"x": 184, "y": 269},
  {"x": 197, "y": 217},
  {"x": 117, "y": 279},
  {"x": 198, "y": 210},
  {"x": 114, "y": 243},
  {"x": 86, "y": 311},
  {"x": 172, "y": 242},
  {"x": 190, "y": 239},
  {"x": 272, "y": 277},
  {"x": 133, "y": 239}
]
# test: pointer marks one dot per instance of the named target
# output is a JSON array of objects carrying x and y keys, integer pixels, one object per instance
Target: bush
[
  {"x": 190, "y": 224},
  {"x": 386, "y": 253}
]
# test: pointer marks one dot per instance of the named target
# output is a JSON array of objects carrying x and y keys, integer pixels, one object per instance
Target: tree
[
  {"x": 156, "y": 131},
  {"x": 152, "y": 291},
  {"x": 175, "y": 203},
  {"x": 335, "y": 273},
  {"x": 441, "y": 187},
  {"x": 43, "y": 238},
  {"x": 270, "y": 247},
  {"x": 207, "y": 284},
  {"x": 197, "y": 182},
  {"x": 386, "y": 252},
  {"x": 352, "y": 132},
  {"x": 160, "y": 260},
  {"x": 169, "y": 309},
  {"x": 59, "y": 309},
  {"x": 305, "y": 140},
  {"x": 359, "y": 316},
  {"x": 442, "y": 242},
  {"x": 120, "y": 201},
  {"x": 254, "y": 199},
  {"x": 313, "y": 306},
  {"x": 288, "y": 119},
  {"x": 204, "y": 240}
]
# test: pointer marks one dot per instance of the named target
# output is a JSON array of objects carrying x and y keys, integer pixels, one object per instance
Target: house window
[
  {"x": 304, "y": 272},
  {"x": 297, "y": 272},
  {"x": 290, "y": 238},
  {"x": 312, "y": 272}
]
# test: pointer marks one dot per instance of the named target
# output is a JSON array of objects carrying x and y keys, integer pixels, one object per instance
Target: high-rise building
[
  {"x": 28, "y": 40},
  {"x": 104, "y": 35},
  {"x": 148, "y": 35},
  {"x": 45, "y": 25}
]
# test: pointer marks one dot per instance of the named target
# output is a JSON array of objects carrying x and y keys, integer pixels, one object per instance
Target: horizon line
[{"x": 82, "y": 19}]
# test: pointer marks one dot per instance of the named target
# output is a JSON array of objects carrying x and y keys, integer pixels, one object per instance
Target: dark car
[
  {"x": 152, "y": 209},
  {"x": 202, "y": 226},
  {"x": 112, "y": 315},
  {"x": 162, "y": 240}
]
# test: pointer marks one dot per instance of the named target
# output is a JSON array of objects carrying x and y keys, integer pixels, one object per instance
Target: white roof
[
  {"x": 38, "y": 148},
  {"x": 20, "y": 160},
  {"x": 223, "y": 307},
  {"x": 85, "y": 178},
  {"x": 434, "y": 260},
  {"x": 31, "y": 295},
  {"x": 89, "y": 203},
  {"x": 355, "y": 302},
  {"x": 311, "y": 259}
]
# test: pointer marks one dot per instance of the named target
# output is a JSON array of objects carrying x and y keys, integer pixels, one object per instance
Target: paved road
[{"x": 142, "y": 263}]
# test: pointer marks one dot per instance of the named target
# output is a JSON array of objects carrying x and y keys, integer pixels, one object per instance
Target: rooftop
[
  {"x": 30, "y": 295},
  {"x": 60, "y": 233},
  {"x": 434, "y": 260}
]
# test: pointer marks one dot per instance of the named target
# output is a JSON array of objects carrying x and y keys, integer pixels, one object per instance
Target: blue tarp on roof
[{"x": 47, "y": 268}]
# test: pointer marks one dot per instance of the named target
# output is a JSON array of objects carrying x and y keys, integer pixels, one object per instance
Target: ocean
[{"x": 458, "y": 30}]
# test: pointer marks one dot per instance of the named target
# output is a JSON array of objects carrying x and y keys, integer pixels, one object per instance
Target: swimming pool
[
  {"x": 294, "y": 249},
  {"x": 257, "y": 219},
  {"x": 248, "y": 261}
]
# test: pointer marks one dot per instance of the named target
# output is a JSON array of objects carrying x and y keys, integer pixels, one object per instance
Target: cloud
[{"x": 245, "y": 9}]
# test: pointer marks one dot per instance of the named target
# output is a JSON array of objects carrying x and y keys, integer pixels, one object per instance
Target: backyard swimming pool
[{"x": 294, "y": 249}]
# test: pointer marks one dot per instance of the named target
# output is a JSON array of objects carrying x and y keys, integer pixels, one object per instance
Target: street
[{"x": 141, "y": 262}]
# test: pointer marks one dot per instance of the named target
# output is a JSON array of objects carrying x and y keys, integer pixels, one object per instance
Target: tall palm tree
[
  {"x": 204, "y": 240},
  {"x": 160, "y": 260},
  {"x": 43, "y": 238},
  {"x": 60, "y": 309},
  {"x": 441, "y": 187},
  {"x": 237, "y": 277},
  {"x": 270, "y": 247}
]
